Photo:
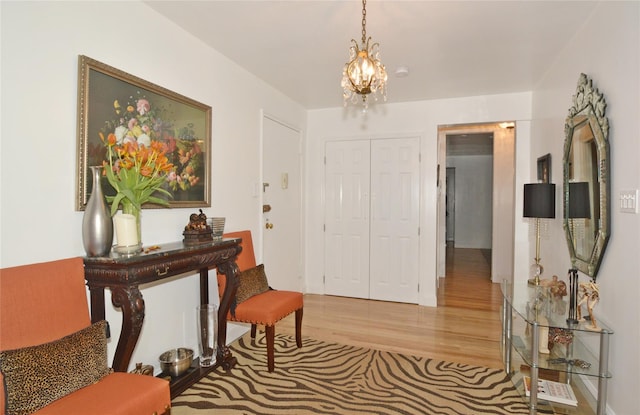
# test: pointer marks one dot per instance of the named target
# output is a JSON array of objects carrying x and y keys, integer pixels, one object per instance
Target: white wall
[
  {"x": 473, "y": 193},
  {"x": 41, "y": 42},
  {"x": 607, "y": 49},
  {"x": 415, "y": 118}
]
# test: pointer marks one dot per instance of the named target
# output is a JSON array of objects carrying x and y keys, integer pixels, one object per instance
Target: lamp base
[
  {"x": 536, "y": 271},
  {"x": 572, "y": 322}
]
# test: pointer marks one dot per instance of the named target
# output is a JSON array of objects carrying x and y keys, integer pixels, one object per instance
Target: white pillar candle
[{"x": 126, "y": 230}]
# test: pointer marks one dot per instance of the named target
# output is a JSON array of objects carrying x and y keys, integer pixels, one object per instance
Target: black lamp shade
[
  {"x": 579, "y": 206},
  {"x": 539, "y": 200}
]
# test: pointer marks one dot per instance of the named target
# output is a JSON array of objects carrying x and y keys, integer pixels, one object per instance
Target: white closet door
[
  {"x": 395, "y": 191},
  {"x": 347, "y": 179}
]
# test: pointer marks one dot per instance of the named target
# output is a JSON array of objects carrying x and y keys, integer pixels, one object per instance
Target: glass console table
[{"x": 529, "y": 314}]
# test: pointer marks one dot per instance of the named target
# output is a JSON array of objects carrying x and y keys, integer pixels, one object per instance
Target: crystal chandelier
[{"x": 364, "y": 73}]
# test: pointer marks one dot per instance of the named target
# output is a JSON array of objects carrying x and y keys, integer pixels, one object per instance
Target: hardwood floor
[{"x": 464, "y": 328}]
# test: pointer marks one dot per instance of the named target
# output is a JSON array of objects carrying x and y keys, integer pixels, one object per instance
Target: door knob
[{"x": 269, "y": 225}]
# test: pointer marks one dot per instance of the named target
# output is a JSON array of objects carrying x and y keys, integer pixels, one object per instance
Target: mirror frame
[{"x": 589, "y": 104}]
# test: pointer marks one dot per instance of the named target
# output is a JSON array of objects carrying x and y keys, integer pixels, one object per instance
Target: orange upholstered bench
[
  {"x": 265, "y": 308},
  {"x": 53, "y": 360}
]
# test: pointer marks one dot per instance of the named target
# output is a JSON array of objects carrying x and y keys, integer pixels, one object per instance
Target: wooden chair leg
[
  {"x": 253, "y": 331},
  {"x": 270, "y": 332},
  {"x": 299, "y": 327}
]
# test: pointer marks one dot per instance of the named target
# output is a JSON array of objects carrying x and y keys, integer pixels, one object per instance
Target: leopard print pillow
[
  {"x": 35, "y": 376},
  {"x": 252, "y": 282}
]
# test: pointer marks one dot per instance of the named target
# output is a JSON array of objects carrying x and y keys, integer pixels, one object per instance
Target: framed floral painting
[{"x": 119, "y": 109}]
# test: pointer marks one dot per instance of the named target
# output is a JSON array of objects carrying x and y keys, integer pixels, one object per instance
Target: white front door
[
  {"x": 347, "y": 218},
  {"x": 395, "y": 191},
  {"x": 282, "y": 192}
]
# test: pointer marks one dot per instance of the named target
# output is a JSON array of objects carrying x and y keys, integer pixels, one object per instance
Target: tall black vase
[{"x": 97, "y": 226}]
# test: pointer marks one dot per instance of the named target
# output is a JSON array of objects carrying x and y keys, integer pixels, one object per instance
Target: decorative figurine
[
  {"x": 589, "y": 294},
  {"x": 197, "y": 231},
  {"x": 560, "y": 336},
  {"x": 573, "y": 296},
  {"x": 557, "y": 290},
  {"x": 540, "y": 309},
  {"x": 197, "y": 222}
]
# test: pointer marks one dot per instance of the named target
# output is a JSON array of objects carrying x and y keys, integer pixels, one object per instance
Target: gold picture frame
[
  {"x": 106, "y": 99},
  {"x": 544, "y": 169}
]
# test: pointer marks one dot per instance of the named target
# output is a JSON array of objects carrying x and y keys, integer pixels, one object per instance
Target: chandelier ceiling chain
[
  {"x": 364, "y": 21},
  {"x": 364, "y": 74}
]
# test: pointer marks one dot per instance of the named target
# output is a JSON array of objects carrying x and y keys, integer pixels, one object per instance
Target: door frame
[
  {"x": 450, "y": 205},
  {"x": 502, "y": 254}
]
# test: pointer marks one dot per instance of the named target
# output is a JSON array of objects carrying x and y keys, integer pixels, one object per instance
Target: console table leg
[
  {"x": 97, "y": 304},
  {"x": 533, "y": 393},
  {"x": 230, "y": 271},
  {"x": 603, "y": 372},
  {"x": 130, "y": 300},
  {"x": 507, "y": 323}
]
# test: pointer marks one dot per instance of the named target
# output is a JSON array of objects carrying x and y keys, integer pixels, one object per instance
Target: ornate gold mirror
[{"x": 586, "y": 178}]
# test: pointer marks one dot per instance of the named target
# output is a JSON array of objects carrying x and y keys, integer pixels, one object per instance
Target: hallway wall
[{"x": 473, "y": 204}]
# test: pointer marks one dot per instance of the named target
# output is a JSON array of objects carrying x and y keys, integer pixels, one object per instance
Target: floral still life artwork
[{"x": 153, "y": 143}]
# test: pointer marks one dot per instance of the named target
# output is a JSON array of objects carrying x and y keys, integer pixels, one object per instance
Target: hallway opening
[{"x": 468, "y": 281}]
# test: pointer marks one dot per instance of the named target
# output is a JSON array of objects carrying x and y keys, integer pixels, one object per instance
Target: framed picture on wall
[
  {"x": 113, "y": 102},
  {"x": 544, "y": 169}
]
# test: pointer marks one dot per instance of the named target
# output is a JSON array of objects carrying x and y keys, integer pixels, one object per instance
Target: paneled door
[
  {"x": 372, "y": 219},
  {"x": 346, "y": 241},
  {"x": 395, "y": 191},
  {"x": 282, "y": 192}
]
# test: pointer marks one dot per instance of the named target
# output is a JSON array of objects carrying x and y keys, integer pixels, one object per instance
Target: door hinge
[
  {"x": 418, "y": 287},
  {"x": 418, "y": 231},
  {"x": 323, "y": 278}
]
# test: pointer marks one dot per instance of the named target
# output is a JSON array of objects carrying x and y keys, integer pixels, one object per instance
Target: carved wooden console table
[{"x": 123, "y": 274}]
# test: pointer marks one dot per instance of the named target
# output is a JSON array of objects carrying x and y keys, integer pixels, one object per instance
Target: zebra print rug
[{"x": 325, "y": 378}]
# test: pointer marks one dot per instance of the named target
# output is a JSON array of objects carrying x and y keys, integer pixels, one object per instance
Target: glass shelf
[
  {"x": 530, "y": 312},
  {"x": 526, "y": 298}
]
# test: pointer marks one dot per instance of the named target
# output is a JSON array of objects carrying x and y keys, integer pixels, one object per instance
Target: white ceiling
[{"x": 452, "y": 48}]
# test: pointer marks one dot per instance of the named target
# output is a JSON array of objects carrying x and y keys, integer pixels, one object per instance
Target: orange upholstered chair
[
  {"x": 44, "y": 316},
  {"x": 266, "y": 308}
]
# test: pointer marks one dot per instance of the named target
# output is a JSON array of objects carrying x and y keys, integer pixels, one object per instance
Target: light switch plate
[{"x": 629, "y": 201}]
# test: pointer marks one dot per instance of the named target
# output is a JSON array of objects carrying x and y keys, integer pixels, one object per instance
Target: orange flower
[
  {"x": 132, "y": 169},
  {"x": 146, "y": 171}
]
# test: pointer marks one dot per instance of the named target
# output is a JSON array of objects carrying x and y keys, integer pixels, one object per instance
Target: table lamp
[
  {"x": 579, "y": 208},
  {"x": 539, "y": 203}
]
